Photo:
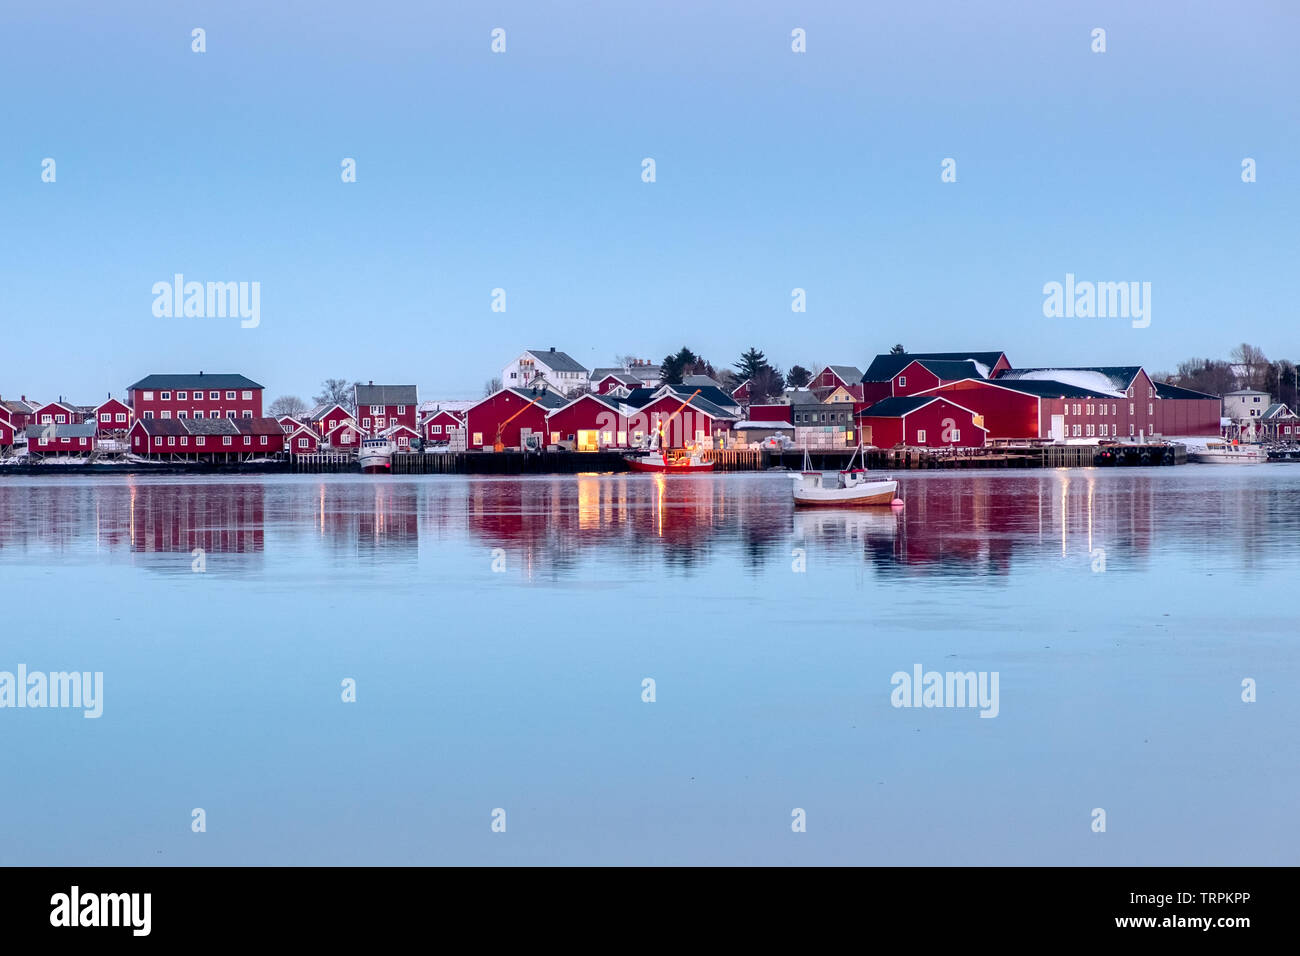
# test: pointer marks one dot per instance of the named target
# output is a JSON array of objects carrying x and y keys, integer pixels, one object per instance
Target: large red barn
[
  {"x": 590, "y": 422},
  {"x": 514, "y": 410},
  {"x": 921, "y": 421}
]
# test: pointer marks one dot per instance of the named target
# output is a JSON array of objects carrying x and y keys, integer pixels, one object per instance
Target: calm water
[{"x": 1121, "y": 609}]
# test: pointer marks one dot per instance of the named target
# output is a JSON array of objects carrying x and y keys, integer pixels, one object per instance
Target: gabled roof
[
  {"x": 849, "y": 374},
  {"x": 1165, "y": 390},
  {"x": 546, "y": 399},
  {"x": 557, "y": 361},
  {"x": 948, "y": 370},
  {"x": 385, "y": 395},
  {"x": 710, "y": 393},
  {"x": 450, "y": 413},
  {"x": 610, "y": 403},
  {"x": 884, "y": 367},
  {"x": 19, "y": 406},
  {"x": 208, "y": 426},
  {"x": 320, "y": 411},
  {"x": 1109, "y": 379},
  {"x": 627, "y": 378},
  {"x": 399, "y": 427},
  {"x": 897, "y": 406},
  {"x": 169, "y": 426},
  {"x": 77, "y": 430},
  {"x": 201, "y": 380},
  {"x": 698, "y": 404},
  {"x": 303, "y": 428},
  {"x": 1278, "y": 410},
  {"x": 1039, "y": 388},
  {"x": 638, "y": 373},
  {"x": 255, "y": 426},
  {"x": 696, "y": 381}
]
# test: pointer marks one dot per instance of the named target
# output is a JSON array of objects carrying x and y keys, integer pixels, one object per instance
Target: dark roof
[
  {"x": 1165, "y": 390},
  {"x": 168, "y": 426},
  {"x": 950, "y": 371},
  {"x": 545, "y": 397},
  {"x": 885, "y": 367},
  {"x": 710, "y": 393},
  {"x": 317, "y": 413},
  {"x": 639, "y": 373},
  {"x": 557, "y": 361},
  {"x": 1278, "y": 410},
  {"x": 385, "y": 395},
  {"x": 1044, "y": 388},
  {"x": 625, "y": 377},
  {"x": 78, "y": 430},
  {"x": 897, "y": 406},
  {"x": 1120, "y": 376},
  {"x": 210, "y": 426},
  {"x": 847, "y": 373},
  {"x": 18, "y": 405},
  {"x": 201, "y": 380},
  {"x": 257, "y": 426}
]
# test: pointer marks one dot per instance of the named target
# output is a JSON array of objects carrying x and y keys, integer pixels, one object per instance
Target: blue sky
[{"x": 522, "y": 171}]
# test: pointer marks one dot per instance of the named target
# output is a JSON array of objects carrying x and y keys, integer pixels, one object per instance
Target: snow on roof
[
  {"x": 742, "y": 426},
  {"x": 1080, "y": 378}
]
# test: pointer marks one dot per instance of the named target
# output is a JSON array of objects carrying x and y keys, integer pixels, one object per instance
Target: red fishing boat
[{"x": 656, "y": 459}]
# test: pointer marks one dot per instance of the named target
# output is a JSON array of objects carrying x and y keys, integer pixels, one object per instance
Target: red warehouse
[
  {"x": 879, "y": 381},
  {"x": 195, "y": 396},
  {"x": 590, "y": 422},
  {"x": 383, "y": 406},
  {"x": 921, "y": 421},
  {"x": 513, "y": 410}
]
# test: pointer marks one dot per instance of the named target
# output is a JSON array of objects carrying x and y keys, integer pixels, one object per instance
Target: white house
[
  {"x": 557, "y": 371},
  {"x": 1245, "y": 405}
]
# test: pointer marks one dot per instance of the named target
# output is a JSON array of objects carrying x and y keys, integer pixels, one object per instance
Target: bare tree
[
  {"x": 491, "y": 387},
  {"x": 290, "y": 405},
  {"x": 1254, "y": 365},
  {"x": 338, "y": 391}
]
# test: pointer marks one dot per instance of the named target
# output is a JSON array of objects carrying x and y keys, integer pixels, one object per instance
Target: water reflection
[{"x": 978, "y": 524}]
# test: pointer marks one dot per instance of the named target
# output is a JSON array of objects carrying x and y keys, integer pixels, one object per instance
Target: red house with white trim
[
  {"x": 439, "y": 426},
  {"x": 880, "y": 379},
  {"x": 848, "y": 377},
  {"x": 700, "y": 421},
  {"x": 921, "y": 421},
  {"x": 325, "y": 418},
  {"x": 68, "y": 439},
  {"x": 301, "y": 441},
  {"x": 500, "y": 408},
  {"x": 591, "y": 422},
  {"x": 57, "y": 413},
  {"x": 112, "y": 416},
  {"x": 400, "y": 435},
  {"x": 344, "y": 435},
  {"x": 380, "y": 407},
  {"x": 205, "y": 396}
]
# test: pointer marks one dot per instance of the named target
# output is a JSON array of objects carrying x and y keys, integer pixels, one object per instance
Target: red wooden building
[
  {"x": 113, "y": 415},
  {"x": 20, "y": 412},
  {"x": 6, "y": 429},
  {"x": 920, "y": 421},
  {"x": 400, "y": 435},
  {"x": 57, "y": 413},
  {"x": 207, "y": 439},
  {"x": 607, "y": 383},
  {"x": 302, "y": 441},
  {"x": 195, "y": 396},
  {"x": 344, "y": 435},
  {"x": 879, "y": 380},
  {"x": 74, "y": 439},
  {"x": 848, "y": 377},
  {"x": 590, "y": 422},
  {"x": 439, "y": 426},
  {"x": 771, "y": 413},
  {"x": 699, "y": 421},
  {"x": 482, "y": 419},
  {"x": 382, "y": 406},
  {"x": 325, "y": 418}
]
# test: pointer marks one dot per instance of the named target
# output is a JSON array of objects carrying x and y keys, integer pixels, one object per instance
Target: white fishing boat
[
  {"x": 375, "y": 455},
  {"x": 849, "y": 488},
  {"x": 1228, "y": 453}
]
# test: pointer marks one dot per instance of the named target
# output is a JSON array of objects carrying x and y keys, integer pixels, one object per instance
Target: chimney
[
  {"x": 552, "y": 348},
  {"x": 372, "y": 381}
]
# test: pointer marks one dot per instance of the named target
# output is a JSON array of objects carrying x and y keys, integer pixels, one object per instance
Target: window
[
  {"x": 200, "y": 441},
  {"x": 1088, "y": 410},
  {"x": 230, "y": 396},
  {"x": 365, "y": 423},
  {"x": 148, "y": 415},
  {"x": 248, "y": 414},
  {"x": 1076, "y": 430},
  {"x": 1130, "y": 391},
  {"x": 1130, "y": 431},
  {"x": 435, "y": 429},
  {"x": 902, "y": 381},
  {"x": 1151, "y": 408},
  {"x": 920, "y": 436},
  {"x": 248, "y": 439},
  {"x": 1112, "y": 408},
  {"x": 105, "y": 416},
  {"x": 1255, "y": 399},
  {"x": 182, "y": 396},
  {"x": 185, "y": 440},
  {"x": 247, "y": 396},
  {"x": 121, "y": 418},
  {"x": 61, "y": 419},
  {"x": 380, "y": 422},
  {"x": 165, "y": 396},
  {"x": 403, "y": 440},
  {"x": 302, "y": 443},
  {"x": 263, "y": 439},
  {"x": 146, "y": 396},
  {"x": 226, "y": 440},
  {"x": 401, "y": 409},
  {"x": 182, "y": 414},
  {"x": 1130, "y": 408},
  {"x": 478, "y": 438},
  {"x": 230, "y": 414},
  {"x": 214, "y": 414},
  {"x": 166, "y": 414},
  {"x": 956, "y": 435},
  {"x": 1104, "y": 431},
  {"x": 376, "y": 409},
  {"x": 1089, "y": 431},
  {"x": 609, "y": 437},
  {"x": 329, "y": 426},
  {"x": 171, "y": 440},
  {"x": 214, "y": 396}
]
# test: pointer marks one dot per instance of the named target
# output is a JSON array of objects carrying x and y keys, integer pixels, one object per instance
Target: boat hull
[
  {"x": 876, "y": 494},
  {"x": 671, "y": 468}
]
